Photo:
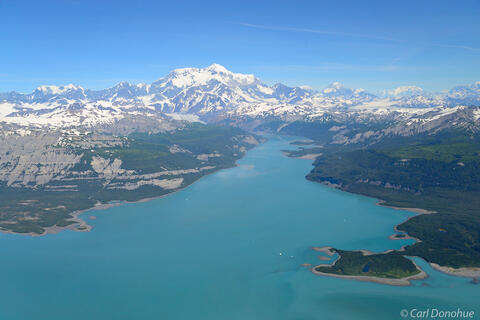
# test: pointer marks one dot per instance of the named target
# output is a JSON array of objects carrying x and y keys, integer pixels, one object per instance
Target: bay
[{"x": 230, "y": 246}]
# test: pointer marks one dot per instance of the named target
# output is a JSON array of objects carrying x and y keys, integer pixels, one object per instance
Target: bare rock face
[
  {"x": 251, "y": 140},
  {"x": 33, "y": 160},
  {"x": 36, "y": 160},
  {"x": 40, "y": 157},
  {"x": 206, "y": 156},
  {"x": 107, "y": 168},
  {"x": 167, "y": 184},
  {"x": 177, "y": 149}
]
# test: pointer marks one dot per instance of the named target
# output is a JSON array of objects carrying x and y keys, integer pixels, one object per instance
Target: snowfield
[{"x": 215, "y": 93}]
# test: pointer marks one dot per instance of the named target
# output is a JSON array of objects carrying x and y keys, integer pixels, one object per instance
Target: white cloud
[{"x": 306, "y": 30}]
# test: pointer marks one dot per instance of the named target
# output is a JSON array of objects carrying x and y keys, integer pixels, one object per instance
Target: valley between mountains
[{"x": 66, "y": 149}]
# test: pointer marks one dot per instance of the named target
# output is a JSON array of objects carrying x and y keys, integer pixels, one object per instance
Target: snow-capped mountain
[
  {"x": 403, "y": 91},
  {"x": 469, "y": 95},
  {"x": 338, "y": 90},
  {"x": 213, "y": 94},
  {"x": 414, "y": 96}
]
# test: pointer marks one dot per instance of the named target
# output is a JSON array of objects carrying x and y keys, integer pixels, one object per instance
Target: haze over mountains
[{"x": 215, "y": 94}]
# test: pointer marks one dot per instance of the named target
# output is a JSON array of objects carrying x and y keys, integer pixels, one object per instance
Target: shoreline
[
  {"x": 325, "y": 250},
  {"x": 389, "y": 281},
  {"x": 467, "y": 272},
  {"x": 393, "y": 282},
  {"x": 418, "y": 211},
  {"x": 310, "y": 156},
  {"x": 470, "y": 272},
  {"x": 80, "y": 223},
  {"x": 307, "y": 156},
  {"x": 77, "y": 223}
]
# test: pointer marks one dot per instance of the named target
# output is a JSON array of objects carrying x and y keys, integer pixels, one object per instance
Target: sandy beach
[
  {"x": 418, "y": 211},
  {"x": 414, "y": 210},
  {"x": 392, "y": 282},
  {"x": 324, "y": 258},
  {"x": 406, "y": 237},
  {"x": 460, "y": 272},
  {"x": 326, "y": 250},
  {"x": 308, "y": 156}
]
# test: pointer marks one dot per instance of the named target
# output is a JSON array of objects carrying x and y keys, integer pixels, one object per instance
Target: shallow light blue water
[{"x": 212, "y": 251}]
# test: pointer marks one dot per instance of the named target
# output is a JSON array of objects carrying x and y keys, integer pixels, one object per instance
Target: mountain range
[{"x": 215, "y": 94}]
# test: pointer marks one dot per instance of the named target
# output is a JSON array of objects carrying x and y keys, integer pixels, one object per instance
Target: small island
[{"x": 387, "y": 267}]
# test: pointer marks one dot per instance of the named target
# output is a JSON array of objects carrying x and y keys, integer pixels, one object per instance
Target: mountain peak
[
  {"x": 122, "y": 84},
  {"x": 52, "y": 89},
  {"x": 405, "y": 91},
  {"x": 186, "y": 77},
  {"x": 215, "y": 67},
  {"x": 305, "y": 87},
  {"x": 336, "y": 85}
]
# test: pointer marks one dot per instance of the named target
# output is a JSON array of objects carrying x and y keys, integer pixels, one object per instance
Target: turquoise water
[{"x": 212, "y": 251}]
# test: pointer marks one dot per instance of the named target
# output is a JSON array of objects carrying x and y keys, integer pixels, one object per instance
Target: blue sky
[{"x": 368, "y": 44}]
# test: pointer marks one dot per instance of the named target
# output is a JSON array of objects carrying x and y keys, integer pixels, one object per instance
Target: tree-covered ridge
[{"x": 438, "y": 173}]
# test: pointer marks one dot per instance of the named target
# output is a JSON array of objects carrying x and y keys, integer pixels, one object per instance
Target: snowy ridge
[{"x": 215, "y": 93}]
